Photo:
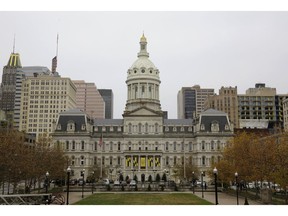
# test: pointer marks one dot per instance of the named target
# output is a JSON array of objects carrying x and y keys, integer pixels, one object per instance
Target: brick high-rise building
[
  {"x": 89, "y": 99},
  {"x": 227, "y": 102}
]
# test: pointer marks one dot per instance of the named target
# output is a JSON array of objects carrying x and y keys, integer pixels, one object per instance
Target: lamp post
[
  {"x": 82, "y": 174},
  {"x": 93, "y": 179},
  {"x": 46, "y": 181},
  {"x": 202, "y": 174},
  {"x": 215, "y": 171},
  {"x": 68, "y": 181},
  {"x": 236, "y": 178},
  {"x": 133, "y": 170},
  {"x": 193, "y": 186}
]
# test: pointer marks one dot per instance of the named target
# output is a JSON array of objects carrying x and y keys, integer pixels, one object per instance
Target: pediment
[{"x": 143, "y": 111}]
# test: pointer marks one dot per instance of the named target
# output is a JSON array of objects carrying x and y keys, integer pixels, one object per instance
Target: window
[
  {"x": 82, "y": 160},
  {"x": 146, "y": 128},
  {"x": 73, "y": 145},
  {"x": 67, "y": 145},
  {"x": 174, "y": 145},
  {"x": 139, "y": 127},
  {"x": 212, "y": 145},
  {"x": 203, "y": 145},
  {"x": 111, "y": 146},
  {"x": 167, "y": 146},
  {"x": 95, "y": 146},
  {"x": 190, "y": 146},
  {"x": 82, "y": 145},
  {"x": 156, "y": 128},
  {"x": 119, "y": 146},
  {"x": 130, "y": 128},
  {"x": 111, "y": 160},
  {"x": 203, "y": 160}
]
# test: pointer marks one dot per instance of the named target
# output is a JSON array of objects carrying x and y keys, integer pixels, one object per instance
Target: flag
[{"x": 101, "y": 140}]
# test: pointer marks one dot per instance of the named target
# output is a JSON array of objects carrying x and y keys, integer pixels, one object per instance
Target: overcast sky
[{"x": 210, "y": 49}]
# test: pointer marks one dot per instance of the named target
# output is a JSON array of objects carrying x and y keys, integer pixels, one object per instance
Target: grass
[{"x": 142, "y": 199}]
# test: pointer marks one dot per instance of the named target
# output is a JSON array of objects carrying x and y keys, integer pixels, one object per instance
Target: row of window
[{"x": 213, "y": 145}]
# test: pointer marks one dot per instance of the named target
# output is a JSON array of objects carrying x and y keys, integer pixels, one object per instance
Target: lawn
[{"x": 142, "y": 199}]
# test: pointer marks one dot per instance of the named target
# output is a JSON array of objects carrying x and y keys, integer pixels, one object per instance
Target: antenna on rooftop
[
  {"x": 54, "y": 60},
  {"x": 14, "y": 44}
]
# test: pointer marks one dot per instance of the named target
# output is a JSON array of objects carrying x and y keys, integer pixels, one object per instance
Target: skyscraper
[
  {"x": 8, "y": 85},
  {"x": 89, "y": 99},
  {"x": 108, "y": 97},
  {"x": 190, "y": 101}
]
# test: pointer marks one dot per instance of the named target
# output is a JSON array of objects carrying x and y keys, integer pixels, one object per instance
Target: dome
[{"x": 143, "y": 62}]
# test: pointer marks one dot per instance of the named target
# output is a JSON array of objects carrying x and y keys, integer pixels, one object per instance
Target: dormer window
[
  {"x": 59, "y": 127},
  {"x": 202, "y": 127},
  {"x": 83, "y": 127},
  {"x": 227, "y": 127},
  {"x": 215, "y": 127},
  {"x": 71, "y": 126}
]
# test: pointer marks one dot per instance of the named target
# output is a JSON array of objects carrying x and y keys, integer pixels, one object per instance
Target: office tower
[
  {"x": 89, "y": 99},
  {"x": 8, "y": 85},
  {"x": 227, "y": 102},
  {"x": 190, "y": 101},
  {"x": 107, "y": 95},
  {"x": 260, "y": 107},
  {"x": 43, "y": 97}
]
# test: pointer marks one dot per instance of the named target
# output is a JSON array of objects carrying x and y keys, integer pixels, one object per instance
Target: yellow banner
[
  {"x": 135, "y": 161},
  {"x": 157, "y": 161},
  {"x": 143, "y": 162},
  {"x": 128, "y": 161}
]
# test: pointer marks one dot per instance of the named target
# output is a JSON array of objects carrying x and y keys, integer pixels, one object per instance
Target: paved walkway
[{"x": 223, "y": 198}]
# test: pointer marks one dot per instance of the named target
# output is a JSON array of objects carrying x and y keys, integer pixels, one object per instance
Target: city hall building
[{"x": 144, "y": 141}]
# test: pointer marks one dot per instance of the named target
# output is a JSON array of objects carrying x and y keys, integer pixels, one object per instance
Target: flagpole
[
  {"x": 184, "y": 159},
  {"x": 101, "y": 145}
]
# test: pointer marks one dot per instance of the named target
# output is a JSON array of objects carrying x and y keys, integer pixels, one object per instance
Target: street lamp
[
  {"x": 193, "y": 174},
  {"x": 68, "y": 181},
  {"x": 82, "y": 174},
  {"x": 215, "y": 171},
  {"x": 93, "y": 179},
  {"x": 46, "y": 181},
  {"x": 202, "y": 174},
  {"x": 133, "y": 170},
  {"x": 236, "y": 178}
]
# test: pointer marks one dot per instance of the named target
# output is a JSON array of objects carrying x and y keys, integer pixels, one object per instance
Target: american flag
[{"x": 101, "y": 140}]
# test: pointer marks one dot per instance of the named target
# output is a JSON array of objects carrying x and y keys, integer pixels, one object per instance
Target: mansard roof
[
  {"x": 210, "y": 116},
  {"x": 76, "y": 116},
  {"x": 108, "y": 122},
  {"x": 175, "y": 122}
]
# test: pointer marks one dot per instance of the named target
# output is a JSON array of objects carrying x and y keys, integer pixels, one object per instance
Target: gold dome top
[{"x": 143, "y": 38}]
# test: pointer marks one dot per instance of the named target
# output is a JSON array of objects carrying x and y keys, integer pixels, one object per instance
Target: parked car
[
  {"x": 106, "y": 181},
  {"x": 116, "y": 183},
  {"x": 81, "y": 182},
  {"x": 124, "y": 183},
  {"x": 133, "y": 183}
]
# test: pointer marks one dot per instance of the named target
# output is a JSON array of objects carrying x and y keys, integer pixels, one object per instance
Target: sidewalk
[{"x": 225, "y": 199}]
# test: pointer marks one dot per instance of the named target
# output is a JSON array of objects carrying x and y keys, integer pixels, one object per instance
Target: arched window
[
  {"x": 156, "y": 128},
  {"x": 212, "y": 145},
  {"x": 82, "y": 160},
  {"x": 146, "y": 127},
  {"x": 203, "y": 145},
  {"x": 203, "y": 160},
  {"x": 139, "y": 127}
]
